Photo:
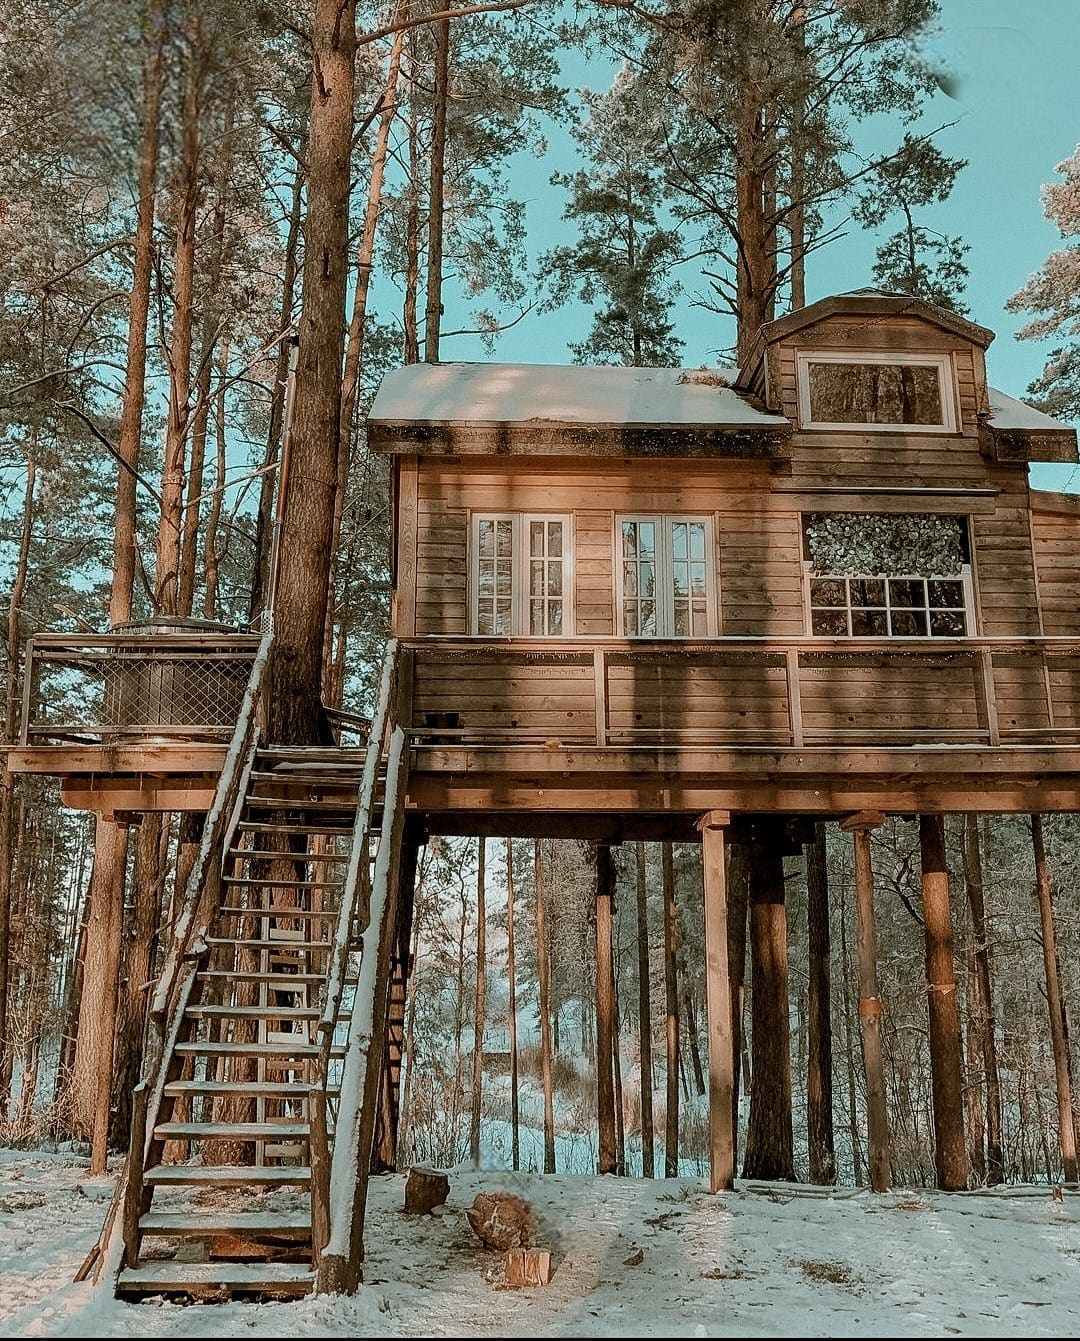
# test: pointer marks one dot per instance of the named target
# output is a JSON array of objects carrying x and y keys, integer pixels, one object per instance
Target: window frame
[
  {"x": 665, "y": 574},
  {"x": 965, "y": 576},
  {"x": 942, "y": 362},
  {"x": 520, "y": 559}
]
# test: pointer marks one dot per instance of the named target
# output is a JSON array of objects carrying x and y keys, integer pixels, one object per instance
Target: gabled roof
[
  {"x": 493, "y": 394},
  {"x": 875, "y": 302},
  {"x": 1022, "y": 433}
]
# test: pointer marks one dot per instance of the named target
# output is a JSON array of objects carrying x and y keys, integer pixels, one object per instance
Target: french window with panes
[
  {"x": 520, "y": 575},
  {"x": 664, "y": 576}
]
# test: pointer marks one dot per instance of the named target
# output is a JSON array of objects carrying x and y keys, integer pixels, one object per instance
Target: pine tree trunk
[
  {"x": 819, "y": 1083},
  {"x": 973, "y": 1091},
  {"x": 310, "y": 472},
  {"x": 437, "y": 165},
  {"x": 946, "y": 1056},
  {"x": 671, "y": 992},
  {"x": 648, "y": 1164},
  {"x": 986, "y": 1028},
  {"x": 7, "y": 778},
  {"x": 511, "y": 973},
  {"x": 1044, "y": 893},
  {"x": 544, "y": 973},
  {"x": 409, "y": 1048},
  {"x": 738, "y": 909},
  {"x": 605, "y": 1010},
  {"x": 769, "y": 1145},
  {"x": 756, "y": 264},
  {"x": 411, "y": 351},
  {"x": 480, "y": 1005}
]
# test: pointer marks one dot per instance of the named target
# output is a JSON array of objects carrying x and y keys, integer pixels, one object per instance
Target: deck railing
[
  {"x": 732, "y": 692},
  {"x": 119, "y": 688}
]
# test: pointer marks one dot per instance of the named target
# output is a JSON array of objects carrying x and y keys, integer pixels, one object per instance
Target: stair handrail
[
  {"x": 356, "y": 893},
  {"x": 239, "y": 760},
  {"x": 337, "y": 1255},
  {"x": 352, "y": 912}
]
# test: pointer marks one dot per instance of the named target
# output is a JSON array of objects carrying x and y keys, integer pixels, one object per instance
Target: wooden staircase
[{"x": 224, "y": 1206}]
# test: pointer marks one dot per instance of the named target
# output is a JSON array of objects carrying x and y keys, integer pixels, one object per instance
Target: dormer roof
[{"x": 875, "y": 302}]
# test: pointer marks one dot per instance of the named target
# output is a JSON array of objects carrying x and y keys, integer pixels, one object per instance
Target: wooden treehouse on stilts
[{"x": 628, "y": 604}]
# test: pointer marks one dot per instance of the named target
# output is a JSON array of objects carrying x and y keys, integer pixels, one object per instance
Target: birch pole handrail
[
  {"x": 234, "y": 774},
  {"x": 353, "y": 911},
  {"x": 339, "y": 1263}
]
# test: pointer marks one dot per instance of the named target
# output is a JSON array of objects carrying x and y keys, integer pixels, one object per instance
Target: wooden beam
[
  {"x": 860, "y": 827},
  {"x": 157, "y": 757},
  {"x": 110, "y": 797},
  {"x": 722, "y": 1060}
]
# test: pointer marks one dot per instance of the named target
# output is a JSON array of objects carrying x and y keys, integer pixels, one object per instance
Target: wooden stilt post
[
  {"x": 648, "y": 1162},
  {"x": 877, "y": 1120},
  {"x": 1044, "y": 891},
  {"x": 671, "y": 1021},
  {"x": 605, "y": 1004},
  {"x": 722, "y": 1059},
  {"x": 946, "y": 1056}
]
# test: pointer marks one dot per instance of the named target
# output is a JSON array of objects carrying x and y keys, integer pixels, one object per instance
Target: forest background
[{"x": 460, "y": 245}]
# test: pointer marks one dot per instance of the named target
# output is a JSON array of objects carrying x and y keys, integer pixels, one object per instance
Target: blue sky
[{"x": 1018, "y": 114}]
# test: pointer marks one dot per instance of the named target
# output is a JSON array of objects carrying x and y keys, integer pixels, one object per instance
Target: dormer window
[{"x": 842, "y": 390}]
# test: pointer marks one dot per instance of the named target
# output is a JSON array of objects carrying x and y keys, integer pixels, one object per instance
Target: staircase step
[
  {"x": 231, "y": 1131},
  {"x": 264, "y": 1012},
  {"x": 284, "y": 979},
  {"x": 259, "y": 854},
  {"x": 256, "y": 800},
  {"x": 280, "y": 910},
  {"x": 273, "y": 1089},
  {"x": 276, "y": 1050},
  {"x": 274, "y": 943},
  {"x": 249, "y": 882},
  {"x": 193, "y": 1225},
  {"x": 227, "y": 1175},
  {"x": 200, "y": 1278}
]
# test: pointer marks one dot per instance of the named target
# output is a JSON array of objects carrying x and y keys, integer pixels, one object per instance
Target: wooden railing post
[
  {"x": 600, "y": 688},
  {"x": 989, "y": 695},
  {"x": 794, "y": 697}
]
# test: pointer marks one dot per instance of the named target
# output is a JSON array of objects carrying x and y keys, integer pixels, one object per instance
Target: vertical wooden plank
[
  {"x": 989, "y": 696},
  {"x": 404, "y": 620},
  {"x": 870, "y": 1002},
  {"x": 600, "y": 689},
  {"x": 718, "y": 1003},
  {"x": 671, "y": 1019},
  {"x": 794, "y": 698}
]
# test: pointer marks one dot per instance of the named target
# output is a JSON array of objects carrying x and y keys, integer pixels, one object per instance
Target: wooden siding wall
[
  {"x": 1055, "y": 527},
  {"x": 756, "y": 507}
]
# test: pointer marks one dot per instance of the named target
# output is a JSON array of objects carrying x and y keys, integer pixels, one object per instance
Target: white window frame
[
  {"x": 665, "y": 598},
  {"x": 964, "y": 576},
  {"x": 946, "y": 388},
  {"x": 519, "y": 609}
]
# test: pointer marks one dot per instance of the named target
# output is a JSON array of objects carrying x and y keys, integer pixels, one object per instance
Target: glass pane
[
  {"x": 946, "y": 593},
  {"x": 867, "y": 591},
  {"x": 629, "y": 539},
  {"x": 909, "y": 623},
  {"x": 907, "y": 591},
  {"x": 874, "y": 393},
  {"x": 828, "y": 592},
  {"x": 502, "y": 618},
  {"x": 697, "y": 579},
  {"x": 505, "y": 541},
  {"x": 486, "y": 539},
  {"x": 629, "y": 577},
  {"x": 647, "y": 620},
  {"x": 536, "y": 617},
  {"x": 647, "y": 539},
  {"x": 869, "y": 624},
  {"x": 630, "y": 623},
  {"x": 947, "y": 623},
  {"x": 647, "y": 577},
  {"x": 555, "y": 617},
  {"x": 487, "y": 580},
  {"x": 504, "y": 577},
  {"x": 536, "y": 577},
  {"x": 680, "y": 578},
  {"x": 536, "y": 538},
  {"x": 678, "y": 541},
  {"x": 697, "y": 540},
  {"x": 485, "y": 620},
  {"x": 554, "y": 583},
  {"x": 700, "y": 620},
  {"x": 682, "y": 619},
  {"x": 554, "y": 539},
  {"x": 829, "y": 623}
]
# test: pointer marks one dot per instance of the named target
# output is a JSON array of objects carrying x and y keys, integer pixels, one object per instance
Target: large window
[
  {"x": 521, "y": 575},
  {"x": 894, "y": 391},
  {"x": 880, "y": 575},
  {"x": 665, "y": 577}
]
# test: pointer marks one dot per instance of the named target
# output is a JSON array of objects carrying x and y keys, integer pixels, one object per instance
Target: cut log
[
  {"x": 500, "y": 1221},
  {"x": 528, "y": 1266},
  {"x": 425, "y": 1189}
]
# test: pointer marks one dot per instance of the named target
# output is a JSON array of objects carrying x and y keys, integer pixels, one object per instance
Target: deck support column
[
  {"x": 877, "y": 1120},
  {"x": 384, "y": 1155},
  {"x": 721, "y": 1036},
  {"x": 946, "y": 1067},
  {"x": 605, "y": 1012}
]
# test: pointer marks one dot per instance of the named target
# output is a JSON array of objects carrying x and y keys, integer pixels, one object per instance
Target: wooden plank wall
[{"x": 1055, "y": 526}]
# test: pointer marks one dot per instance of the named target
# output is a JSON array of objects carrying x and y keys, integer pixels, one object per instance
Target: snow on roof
[
  {"x": 1014, "y": 416},
  {"x": 535, "y": 393}
]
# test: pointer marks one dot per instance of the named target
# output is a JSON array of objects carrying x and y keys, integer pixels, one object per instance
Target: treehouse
[{"x": 628, "y": 604}]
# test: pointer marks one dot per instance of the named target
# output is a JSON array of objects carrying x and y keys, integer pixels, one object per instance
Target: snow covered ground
[{"x": 779, "y": 1261}]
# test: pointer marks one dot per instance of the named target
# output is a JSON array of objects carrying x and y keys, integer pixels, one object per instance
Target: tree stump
[
  {"x": 500, "y": 1221},
  {"x": 425, "y": 1189}
]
